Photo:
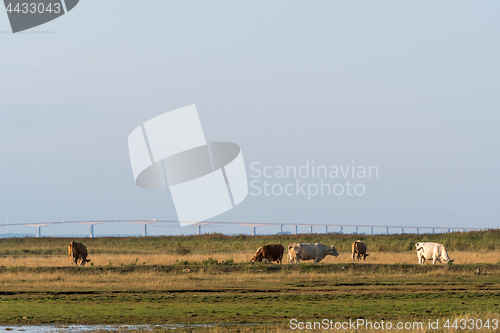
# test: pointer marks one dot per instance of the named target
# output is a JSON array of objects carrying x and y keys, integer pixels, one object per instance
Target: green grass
[
  {"x": 135, "y": 308},
  {"x": 208, "y": 291},
  {"x": 213, "y": 294}
]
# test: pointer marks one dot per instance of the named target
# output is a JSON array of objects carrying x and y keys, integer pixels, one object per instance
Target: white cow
[
  {"x": 308, "y": 251},
  {"x": 432, "y": 251}
]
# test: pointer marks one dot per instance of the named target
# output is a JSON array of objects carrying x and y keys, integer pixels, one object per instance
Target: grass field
[
  {"x": 219, "y": 243},
  {"x": 140, "y": 281},
  {"x": 102, "y": 259}
]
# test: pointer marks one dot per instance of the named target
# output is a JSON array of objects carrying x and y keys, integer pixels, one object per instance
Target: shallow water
[{"x": 110, "y": 328}]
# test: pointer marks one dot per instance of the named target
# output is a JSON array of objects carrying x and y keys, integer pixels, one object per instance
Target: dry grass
[
  {"x": 139, "y": 288},
  {"x": 410, "y": 257},
  {"x": 120, "y": 259},
  {"x": 461, "y": 257},
  {"x": 107, "y": 280},
  {"x": 139, "y": 281},
  {"x": 202, "y": 279}
]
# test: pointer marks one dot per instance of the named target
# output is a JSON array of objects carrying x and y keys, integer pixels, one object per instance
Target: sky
[{"x": 410, "y": 88}]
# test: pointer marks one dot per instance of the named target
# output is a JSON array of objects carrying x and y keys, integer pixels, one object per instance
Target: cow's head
[
  {"x": 333, "y": 251},
  {"x": 257, "y": 257},
  {"x": 418, "y": 247}
]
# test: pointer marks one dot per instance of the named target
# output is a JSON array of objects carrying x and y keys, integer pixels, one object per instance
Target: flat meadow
[{"x": 208, "y": 279}]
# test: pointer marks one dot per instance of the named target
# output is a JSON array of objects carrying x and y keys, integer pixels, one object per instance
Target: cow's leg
[{"x": 422, "y": 260}]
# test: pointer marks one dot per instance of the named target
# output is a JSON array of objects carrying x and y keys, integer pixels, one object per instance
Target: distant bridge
[{"x": 253, "y": 225}]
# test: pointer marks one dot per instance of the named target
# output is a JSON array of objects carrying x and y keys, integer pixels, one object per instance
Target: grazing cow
[
  {"x": 77, "y": 252},
  {"x": 308, "y": 251},
  {"x": 271, "y": 252},
  {"x": 432, "y": 251},
  {"x": 359, "y": 249}
]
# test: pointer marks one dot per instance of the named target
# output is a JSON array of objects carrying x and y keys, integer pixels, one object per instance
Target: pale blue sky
[{"x": 412, "y": 88}]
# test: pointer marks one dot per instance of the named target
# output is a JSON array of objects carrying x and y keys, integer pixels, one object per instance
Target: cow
[
  {"x": 77, "y": 252},
  {"x": 432, "y": 251},
  {"x": 359, "y": 249},
  {"x": 271, "y": 252},
  {"x": 308, "y": 251}
]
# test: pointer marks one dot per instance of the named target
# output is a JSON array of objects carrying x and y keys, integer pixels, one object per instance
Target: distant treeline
[{"x": 486, "y": 240}]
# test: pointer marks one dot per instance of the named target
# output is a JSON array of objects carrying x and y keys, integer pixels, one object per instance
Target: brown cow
[
  {"x": 271, "y": 252},
  {"x": 77, "y": 252},
  {"x": 359, "y": 248}
]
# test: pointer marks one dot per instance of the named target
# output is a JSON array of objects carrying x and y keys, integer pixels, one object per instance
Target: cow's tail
[
  {"x": 289, "y": 256},
  {"x": 70, "y": 253}
]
